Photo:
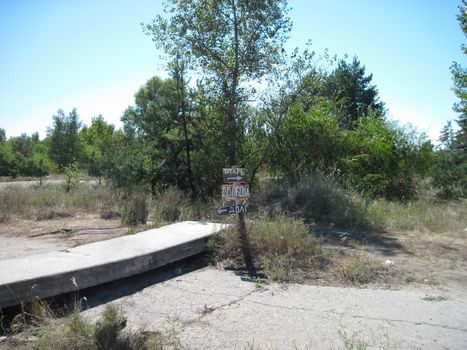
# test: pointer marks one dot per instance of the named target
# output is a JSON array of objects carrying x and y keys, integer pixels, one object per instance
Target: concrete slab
[{"x": 49, "y": 274}]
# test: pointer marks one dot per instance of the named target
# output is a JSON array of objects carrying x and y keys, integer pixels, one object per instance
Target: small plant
[
  {"x": 72, "y": 174},
  {"x": 135, "y": 210},
  {"x": 358, "y": 269}
]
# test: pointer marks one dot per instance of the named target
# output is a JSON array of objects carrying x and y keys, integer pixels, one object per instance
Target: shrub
[
  {"x": 282, "y": 247},
  {"x": 170, "y": 205},
  {"x": 317, "y": 198}
]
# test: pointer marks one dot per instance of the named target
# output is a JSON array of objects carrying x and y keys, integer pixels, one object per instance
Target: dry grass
[
  {"x": 74, "y": 332},
  {"x": 359, "y": 269},
  {"x": 422, "y": 215},
  {"x": 173, "y": 205},
  {"x": 282, "y": 247},
  {"x": 51, "y": 201}
]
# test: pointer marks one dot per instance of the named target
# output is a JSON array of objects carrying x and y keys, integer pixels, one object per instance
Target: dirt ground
[{"x": 20, "y": 237}]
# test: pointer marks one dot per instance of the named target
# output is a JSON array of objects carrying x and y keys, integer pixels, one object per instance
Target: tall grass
[
  {"x": 173, "y": 205},
  {"x": 422, "y": 215},
  {"x": 52, "y": 200},
  {"x": 282, "y": 247}
]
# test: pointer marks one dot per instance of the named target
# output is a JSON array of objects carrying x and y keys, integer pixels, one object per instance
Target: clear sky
[{"x": 92, "y": 55}]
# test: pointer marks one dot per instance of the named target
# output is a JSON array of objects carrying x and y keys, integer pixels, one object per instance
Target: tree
[
  {"x": 233, "y": 42},
  {"x": 154, "y": 122},
  {"x": 450, "y": 169},
  {"x": 65, "y": 146},
  {"x": 352, "y": 90},
  {"x": 96, "y": 141},
  {"x": 2, "y": 135}
]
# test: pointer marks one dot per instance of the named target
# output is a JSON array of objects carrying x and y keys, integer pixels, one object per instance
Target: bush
[
  {"x": 282, "y": 247},
  {"x": 170, "y": 205},
  {"x": 134, "y": 209},
  {"x": 317, "y": 198}
]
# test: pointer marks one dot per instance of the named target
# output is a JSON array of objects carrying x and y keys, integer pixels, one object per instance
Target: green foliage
[
  {"x": 317, "y": 198},
  {"x": 233, "y": 43},
  {"x": 96, "y": 140},
  {"x": 72, "y": 175},
  {"x": 348, "y": 86},
  {"x": 450, "y": 168},
  {"x": 307, "y": 141},
  {"x": 65, "y": 146},
  {"x": 385, "y": 160}
]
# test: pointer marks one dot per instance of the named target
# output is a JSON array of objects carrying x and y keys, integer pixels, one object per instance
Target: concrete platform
[{"x": 49, "y": 274}]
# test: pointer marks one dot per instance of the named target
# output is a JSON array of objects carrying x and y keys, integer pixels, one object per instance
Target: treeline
[
  {"x": 279, "y": 116},
  {"x": 68, "y": 143}
]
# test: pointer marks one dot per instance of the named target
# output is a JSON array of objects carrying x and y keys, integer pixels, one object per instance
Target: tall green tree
[
  {"x": 233, "y": 43},
  {"x": 65, "y": 146},
  {"x": 96, "y": 140},
  {"x": 450, "y": 169},
  {"x": 161, "y": 122},
  {"x": 350, "y": 87}
]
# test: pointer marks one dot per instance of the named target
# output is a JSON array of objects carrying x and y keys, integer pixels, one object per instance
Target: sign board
[
  {"x": 233, "y": 192},
  {"x": 233, "y": 209},
  {"x": 234, "y": 174}
]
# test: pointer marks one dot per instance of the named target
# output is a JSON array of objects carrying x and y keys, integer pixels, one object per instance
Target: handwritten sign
[
  {"x": 233, "y": 192},
  {"x": 232, "y": 209},
  {"x": 234, "y": 174}
]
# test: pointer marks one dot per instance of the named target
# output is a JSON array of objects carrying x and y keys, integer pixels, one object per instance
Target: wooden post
[{"x": 246, "y": 249}]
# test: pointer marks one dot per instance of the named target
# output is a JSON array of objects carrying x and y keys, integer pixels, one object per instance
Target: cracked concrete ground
[{"x": 215, "y": 309}]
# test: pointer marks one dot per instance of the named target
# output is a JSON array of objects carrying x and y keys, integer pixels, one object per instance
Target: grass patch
[
  {"x": 52, "y": 200},
  {"x": 422, "y": 215},
  {"x": 282, "y": 247},
  {"x": 358, "y": 269},
  {"x": 109, "y": 332}
]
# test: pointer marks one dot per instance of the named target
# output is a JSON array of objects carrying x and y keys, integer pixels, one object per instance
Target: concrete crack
[{"x": 359, "y": 316}]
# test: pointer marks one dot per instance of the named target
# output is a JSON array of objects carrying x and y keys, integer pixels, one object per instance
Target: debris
[
  {"x": 389, "y": 262},
  {"x": 2, "y": 339}
]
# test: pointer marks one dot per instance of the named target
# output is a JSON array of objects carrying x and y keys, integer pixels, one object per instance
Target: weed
[
  {"x": 106, "y": 334},
  {"x": 359, "y": 269},
  {"x": 281, "y": 246},
  {"x": 352, "y": 341}
]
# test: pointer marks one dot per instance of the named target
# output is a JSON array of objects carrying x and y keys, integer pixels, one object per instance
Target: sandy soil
[{"x": 21, "y": 237}]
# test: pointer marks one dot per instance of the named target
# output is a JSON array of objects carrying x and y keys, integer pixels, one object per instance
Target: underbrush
[
  {"x": 282, "y": 247},
  {"x": 52, "y": 200}
]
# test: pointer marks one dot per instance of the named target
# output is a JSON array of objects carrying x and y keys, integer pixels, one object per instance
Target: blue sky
[{"x": 92, "y": 55}]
